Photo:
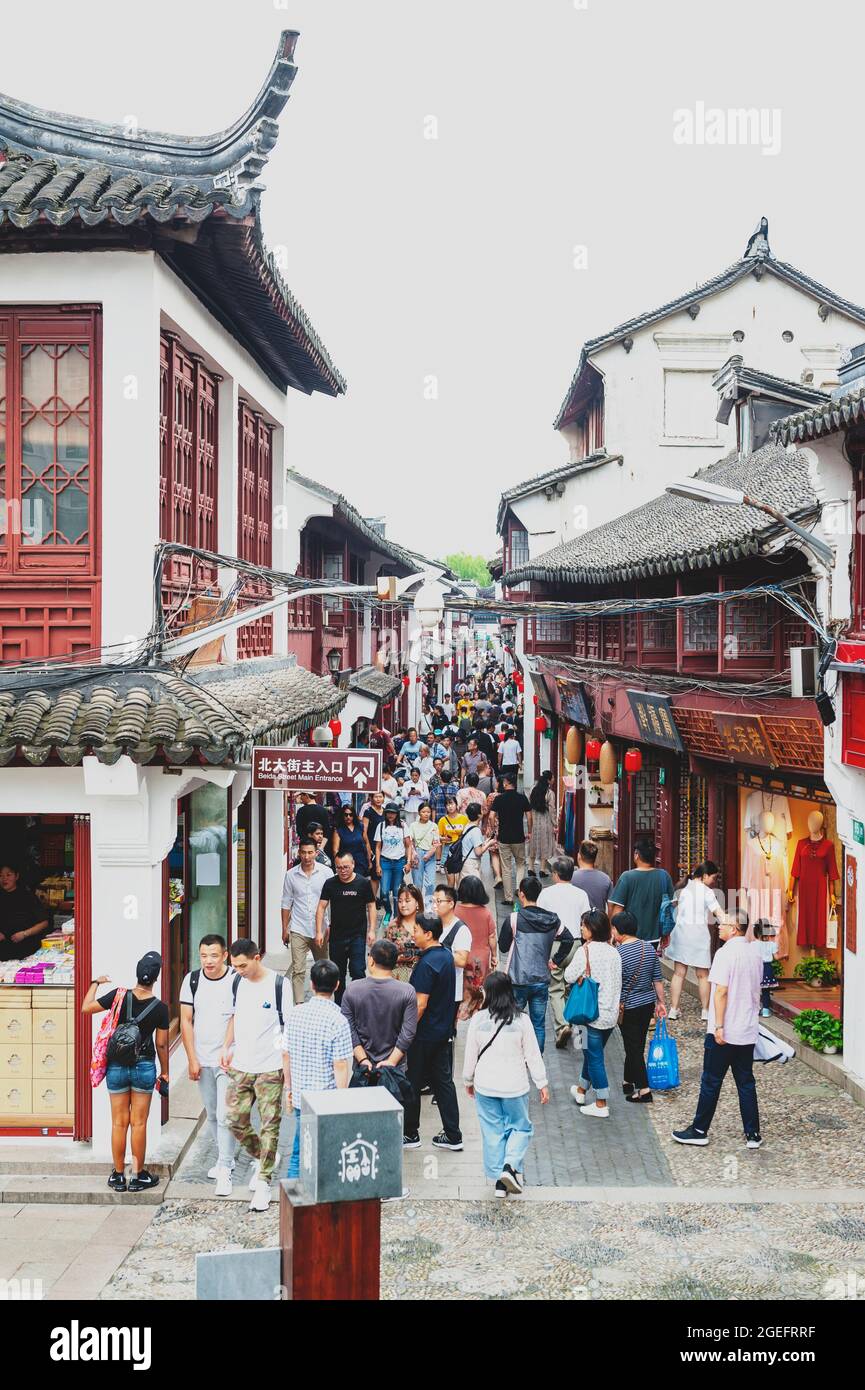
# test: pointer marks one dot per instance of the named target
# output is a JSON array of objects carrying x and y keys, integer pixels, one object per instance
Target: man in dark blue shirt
[{"x": 429, "y": 1057}]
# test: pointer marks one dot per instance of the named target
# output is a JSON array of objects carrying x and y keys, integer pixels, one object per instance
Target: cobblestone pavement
[
  {"x": 813, "y": 1132},
  {"x": 614, "y": 1249}
]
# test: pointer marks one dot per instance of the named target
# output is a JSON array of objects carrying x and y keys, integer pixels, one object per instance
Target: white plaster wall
[{"x": 634, "y": 389}]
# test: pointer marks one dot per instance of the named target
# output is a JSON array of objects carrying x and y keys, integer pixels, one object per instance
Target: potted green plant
[
  {"x": 819, "y": 1030},
  {"x": 816, "y": 972}
]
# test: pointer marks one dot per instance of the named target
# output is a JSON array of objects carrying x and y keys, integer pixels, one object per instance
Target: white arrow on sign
[{"x": 361, "y": 771}]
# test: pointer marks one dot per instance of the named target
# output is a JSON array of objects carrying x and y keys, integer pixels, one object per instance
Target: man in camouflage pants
[{"x": 252, "y": 1055}]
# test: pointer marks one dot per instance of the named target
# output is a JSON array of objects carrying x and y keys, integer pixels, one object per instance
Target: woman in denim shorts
[{"x": 131, "y": 1087}]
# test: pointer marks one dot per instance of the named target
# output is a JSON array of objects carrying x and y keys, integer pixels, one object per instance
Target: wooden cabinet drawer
[
  {"x": 50, "y": 1026},
  {"x": 50, "y": 1061},
  {"x": 16, "y": 1059},
  {"x": 16, "y": 1100},
  {"x": 16, "y": 1026},
  {"x": 49, "y": 1097}
]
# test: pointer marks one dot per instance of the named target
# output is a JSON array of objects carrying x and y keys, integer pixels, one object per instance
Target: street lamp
[
  {"x": 429, "y": 605},
  {"x": 697, "y": 490}
]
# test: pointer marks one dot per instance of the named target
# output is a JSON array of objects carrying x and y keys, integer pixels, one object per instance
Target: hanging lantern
[
  {"x": 541, "y": 724},
  {"x": 593, "y": 750},
  {"x": 608, "y": 764},
  {"x": 633, "y": 763},
  {"x": 335, "y": 726},
  {"x": 406, "y": 680},
  {"x": 573, "y": 744},
  {"x": 535, "y": 701}
]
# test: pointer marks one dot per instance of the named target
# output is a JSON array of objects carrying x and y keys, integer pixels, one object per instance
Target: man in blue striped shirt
[{"x": 316, "y": 1048}]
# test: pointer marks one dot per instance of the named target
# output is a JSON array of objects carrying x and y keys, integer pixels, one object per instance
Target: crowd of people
[{"x": 394, "y": 897}]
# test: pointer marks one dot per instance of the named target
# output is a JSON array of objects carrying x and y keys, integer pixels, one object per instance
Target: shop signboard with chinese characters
[
  {"x": 316, "y": 769},
  {"x": 850, "y": 902},
  {"x": 744, "y": 739},
  {"x": 654, "y": 716}
]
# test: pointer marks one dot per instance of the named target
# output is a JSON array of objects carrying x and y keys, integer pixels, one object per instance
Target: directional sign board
[{"x": 316, "y": 769}]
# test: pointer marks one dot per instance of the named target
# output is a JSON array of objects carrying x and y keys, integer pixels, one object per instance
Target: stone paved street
[{"x": 598, "y": 1249}]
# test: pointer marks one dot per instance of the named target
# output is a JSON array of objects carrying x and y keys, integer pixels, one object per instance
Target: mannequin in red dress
[{"x": 814, "y": 870}]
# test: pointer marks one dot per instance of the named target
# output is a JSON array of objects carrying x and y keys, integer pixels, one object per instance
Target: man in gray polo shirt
[{"x": 301, "y": 891}]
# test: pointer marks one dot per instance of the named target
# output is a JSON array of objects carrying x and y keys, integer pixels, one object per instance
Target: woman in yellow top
[
  {"x": 465, "y": 707},
  {"x": 451, "y": 826}
]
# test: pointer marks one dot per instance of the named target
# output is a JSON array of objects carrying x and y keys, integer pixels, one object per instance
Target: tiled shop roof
[
  {"x": 68, "y": 183},
  {"x": 412, "y": 561},
  {"x": 832, "y": 415},
  {"x": 375, "y": 684},
  {"x": 156, "y": 715},
  {"x": 757, "y": 260},
  {"x": 549, "y": 479},
  {"x": 671, "y": 535}
]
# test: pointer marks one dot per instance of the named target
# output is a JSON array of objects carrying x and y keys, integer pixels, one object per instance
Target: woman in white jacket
[
  {"x": 596, "y": 957},
  {"x": 501, "y": 1052},
  {"x": 690, "y": 940}
]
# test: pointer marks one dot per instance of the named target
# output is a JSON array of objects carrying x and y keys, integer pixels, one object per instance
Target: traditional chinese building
[{"x": 147, "y": 344}]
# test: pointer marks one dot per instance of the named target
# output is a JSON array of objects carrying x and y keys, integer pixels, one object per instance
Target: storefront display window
[{"x": 37, "y": 972}]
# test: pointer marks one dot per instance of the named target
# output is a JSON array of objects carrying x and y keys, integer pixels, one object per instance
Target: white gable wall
[{"x": 659, "y": 406}]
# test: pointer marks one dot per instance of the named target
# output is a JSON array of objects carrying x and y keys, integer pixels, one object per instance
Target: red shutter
[
  {"x": 188, "y": 467},
  {"x": 254, "y": 539}
]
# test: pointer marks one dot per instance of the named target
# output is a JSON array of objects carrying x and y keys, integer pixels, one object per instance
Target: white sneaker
[
  {"x": 673, "y": 1015},
  {"x": 602, "y": 1112},
  {"x": 578, "y": 1095},
  {"x": 256, "y": 1169},
  {"x": 223, "y": 1182},
  {"x": 704, "y": 1014},
  {"x": 215, "y": 1170},
  {"x": 260, "y": 1197}
]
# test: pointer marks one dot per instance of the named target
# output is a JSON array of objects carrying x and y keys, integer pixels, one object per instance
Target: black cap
[{"x": 148, "y": 968}]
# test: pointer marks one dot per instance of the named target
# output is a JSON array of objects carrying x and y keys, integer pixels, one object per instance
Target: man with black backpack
[
  {"x": 252, "y": 1055},
  {"x": 206, "y": 1004}
]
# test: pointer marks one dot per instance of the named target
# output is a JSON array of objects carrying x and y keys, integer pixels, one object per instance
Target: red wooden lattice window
[
  {"x": 49, "y": 461},
  {"x": 659, "y": 632},
  {"x": 188, "y": 466},
  {"x": 612, "y": 637},
  {"x": 748, "y": 628},
  {"x": 254, "y": 524},
  {"x": 580, "y": 637}
]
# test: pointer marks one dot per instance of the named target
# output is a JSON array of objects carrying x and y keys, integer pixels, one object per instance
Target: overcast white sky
[{"x": 454, "y": 257}]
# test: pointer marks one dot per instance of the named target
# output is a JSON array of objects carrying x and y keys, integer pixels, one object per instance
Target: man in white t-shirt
[
  {"x": 455, "y": 935},
  {"x": 301, "y": 892},
  {"x": 736, "y": 978},
  {"x": 252, "y": 1054},
  {"x": 568, "y": 903},
  {"x": 206, "y": 1005}
]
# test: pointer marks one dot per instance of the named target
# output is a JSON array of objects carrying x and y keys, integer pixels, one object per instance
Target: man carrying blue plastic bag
[{"x": 734, "y": 1023}]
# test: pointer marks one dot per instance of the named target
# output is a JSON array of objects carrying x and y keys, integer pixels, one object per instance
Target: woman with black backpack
[{"x": 141, "y": 1031}]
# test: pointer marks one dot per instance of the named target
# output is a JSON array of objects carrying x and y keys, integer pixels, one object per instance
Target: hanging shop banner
[
  {"x": 575, "y": 706},
  {"x": 850, "y": 902},
  {"x": 316, "y": 769},
  {"x": 654, "y": 716},
  {"x": 545, "y": 699}
]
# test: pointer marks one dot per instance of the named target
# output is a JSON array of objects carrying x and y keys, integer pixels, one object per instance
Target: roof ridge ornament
[
  {"x": 758, "y": 242},
  {"x": 239, "y": 151}
]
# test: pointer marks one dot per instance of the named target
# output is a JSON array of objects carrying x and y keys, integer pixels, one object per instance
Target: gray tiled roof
[
  {"x": 412, "y": 561},
  {"x": 62, "y": 175},
  {"x": 834, "y": 414},
  {"x": 550, "y": 478},
  {"x": 150, "y": 715},
  {"x": 757, "y": 263},
  {"x": 375, "y": 684},
  {"x": 672, "y": 535}
]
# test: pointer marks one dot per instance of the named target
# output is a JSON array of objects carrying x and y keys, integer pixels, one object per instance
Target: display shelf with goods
[{"x": 37, "y": 1032}]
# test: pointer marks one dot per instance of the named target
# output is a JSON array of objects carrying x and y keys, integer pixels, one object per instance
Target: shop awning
[
  {"x": 149, "y": 715},
  {"x": 374, "y": 684}
]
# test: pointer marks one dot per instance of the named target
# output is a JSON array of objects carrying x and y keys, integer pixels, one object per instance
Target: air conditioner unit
[{"x": 803, "y": 672}]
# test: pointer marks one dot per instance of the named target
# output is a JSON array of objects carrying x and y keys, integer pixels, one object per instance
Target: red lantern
[
  {"x": 541, "y": 724},
  {"x": 406, "y": 680},
  {"x": 633, "y": 763},
  {"x": 335, "y": 726},
  {"x": 593, "y": 750},
  {"x": 535, "y": 701}
]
